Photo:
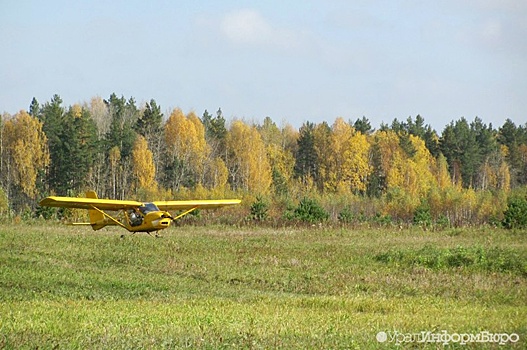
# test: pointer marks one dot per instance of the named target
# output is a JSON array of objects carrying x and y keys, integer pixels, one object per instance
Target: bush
[
  {"x": 443, "y": 221},
  {"x": 384, "y": 220},
  {"x": 422, "y": 216},
  {"x": 47, "y": 212},
  {"x": 515, "y": 216},
  {"x": 259, "y": 210},
  {"x": 309, "y": 210},
  {"x": 346, "y": 216},
  {"x": 400, "y": 204}
]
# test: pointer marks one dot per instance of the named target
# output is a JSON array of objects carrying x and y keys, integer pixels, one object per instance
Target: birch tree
[
  {"x": 186, "y": 149},
  {"x": 143, "y": 168},
  {"x": 348, "y": 167},
  {"x": 27, "y": 150},
  {"x": 249, "y": 168}
]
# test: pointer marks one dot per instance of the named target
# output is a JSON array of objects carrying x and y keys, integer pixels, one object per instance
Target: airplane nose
[{"x": 161, "y": 223}]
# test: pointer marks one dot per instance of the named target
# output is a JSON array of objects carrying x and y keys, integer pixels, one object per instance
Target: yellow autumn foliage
[
  {"x": 143, "y": 167},
  {"x": 248, "y": 163},
  {"x": 216, "y": 174},
  {"x": 28, "y": 151},
  {"x": 347, "y": 158},
  {"x": 415, "y": 174},
  {"x": 185, "y": 141},
  {"x": 422, "y": 164}
]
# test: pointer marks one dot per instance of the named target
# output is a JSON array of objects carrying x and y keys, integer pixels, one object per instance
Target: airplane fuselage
[
  {"x": 149, "y": 222},
  {"x": 145, "y": 218}
]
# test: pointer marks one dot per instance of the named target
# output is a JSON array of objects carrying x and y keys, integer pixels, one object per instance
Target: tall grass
[{"x": 225, "y": 287}]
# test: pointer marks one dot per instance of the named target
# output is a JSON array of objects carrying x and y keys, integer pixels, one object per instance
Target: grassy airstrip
[{"x": 224, "y": 287}]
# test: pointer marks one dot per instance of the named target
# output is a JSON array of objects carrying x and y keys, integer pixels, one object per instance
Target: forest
[{"x": 403, "y": 172}]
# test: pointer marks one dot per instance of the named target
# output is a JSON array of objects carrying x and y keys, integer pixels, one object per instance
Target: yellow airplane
[{"x": 132, "y": 215}]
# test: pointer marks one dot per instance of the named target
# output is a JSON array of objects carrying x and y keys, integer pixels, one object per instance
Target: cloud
[
  {"x": 248, "y": 27},
  {"x": 492, "y": 30},
  {"x": 494, "y": 26}
]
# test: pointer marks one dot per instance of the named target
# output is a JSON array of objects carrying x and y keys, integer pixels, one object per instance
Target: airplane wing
[
  {"x": 198, "y": 204},
  {"x": 89, "y": 203}
]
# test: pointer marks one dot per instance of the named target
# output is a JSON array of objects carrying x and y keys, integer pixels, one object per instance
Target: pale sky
[{"x": 294, "y": 61}]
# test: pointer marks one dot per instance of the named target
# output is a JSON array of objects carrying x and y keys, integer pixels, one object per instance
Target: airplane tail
[{"x": 97, "y": 219}]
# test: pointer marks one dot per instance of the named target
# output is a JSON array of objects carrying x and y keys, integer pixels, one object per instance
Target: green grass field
[{"x": 223, "y": 287}]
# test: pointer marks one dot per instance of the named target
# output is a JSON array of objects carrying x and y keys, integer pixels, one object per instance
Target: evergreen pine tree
[{"x": 306, "y": 157}]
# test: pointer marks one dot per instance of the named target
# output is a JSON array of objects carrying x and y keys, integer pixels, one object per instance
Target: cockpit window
[{"x": 148, "y": 207}]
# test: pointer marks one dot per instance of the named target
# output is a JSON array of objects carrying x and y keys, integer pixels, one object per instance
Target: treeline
[{"x": 121, "y": 150}]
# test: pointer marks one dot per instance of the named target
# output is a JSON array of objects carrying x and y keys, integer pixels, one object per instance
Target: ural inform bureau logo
[{"x": 445, "y": 338}]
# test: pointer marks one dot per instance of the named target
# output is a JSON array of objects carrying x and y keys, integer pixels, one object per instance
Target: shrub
[
  {"x": 346, "y": 216},
  {"x": 259, "y": 209},
  {"x": 309, "y": 210},
  {"x": 384, "y": 220},
  {"x": 422, "y": 216},
  {"x": 443, "y": 221},
  {"x": 515, "y": 216},
  {"x": 46, "y": 212},
  {"x": 400, "y": 204}
]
